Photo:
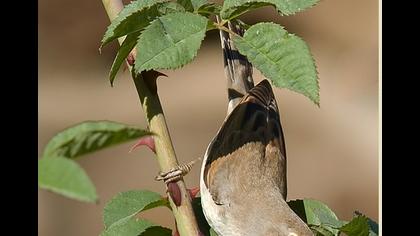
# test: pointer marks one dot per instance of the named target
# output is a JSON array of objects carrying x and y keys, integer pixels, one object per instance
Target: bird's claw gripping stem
[{"x": 176, "y": 173}]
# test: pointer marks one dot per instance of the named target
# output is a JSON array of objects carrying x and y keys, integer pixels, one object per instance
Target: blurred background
[{"x": 332, "y": 150}]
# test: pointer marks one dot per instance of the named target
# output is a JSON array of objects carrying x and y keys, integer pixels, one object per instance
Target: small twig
[
  {"x": 222, "y": 27},
  {"x": 221, "y": 22}
]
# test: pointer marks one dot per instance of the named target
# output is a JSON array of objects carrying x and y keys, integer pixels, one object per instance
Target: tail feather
[{"x": 238, "y": 69}]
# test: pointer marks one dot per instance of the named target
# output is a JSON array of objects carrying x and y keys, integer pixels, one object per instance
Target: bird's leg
[{"x": 177, "y": 172}]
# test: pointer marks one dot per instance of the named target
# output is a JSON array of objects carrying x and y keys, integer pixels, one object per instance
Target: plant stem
[
  {"x": 112, "y": 8},
  {"x": 184, "y": 215},
  {"x": 146, "y": 89},
  {"x": 224, "y": 28}
]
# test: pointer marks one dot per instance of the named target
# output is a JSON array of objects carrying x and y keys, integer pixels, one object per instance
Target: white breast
[
  {"x": 209, "y": 207},
  {"x": 213, "y": 213}
]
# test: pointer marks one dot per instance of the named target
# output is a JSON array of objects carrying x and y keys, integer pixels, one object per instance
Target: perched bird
[
  {"x": 243, "y": 177},
  {"x": 243, "y": 183}
]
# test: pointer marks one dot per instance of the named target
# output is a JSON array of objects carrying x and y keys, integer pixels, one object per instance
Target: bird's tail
[{"x": 238, "y": 69}]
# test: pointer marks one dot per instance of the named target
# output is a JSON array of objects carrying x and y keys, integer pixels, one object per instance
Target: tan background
[{"x": 332, "y": 150}]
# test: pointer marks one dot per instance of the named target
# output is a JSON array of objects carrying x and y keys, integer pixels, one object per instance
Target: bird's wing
[{"x": 254, "y": 121}]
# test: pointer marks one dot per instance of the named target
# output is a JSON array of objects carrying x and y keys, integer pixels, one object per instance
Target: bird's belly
[
  {"x": 211, "y": 210},
  {"x": 216, "y": 214},
  {"x": 249, "y": 218}
]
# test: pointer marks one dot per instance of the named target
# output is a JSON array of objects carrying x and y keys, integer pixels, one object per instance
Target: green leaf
[
  {"x": 192, "y": 5},
  {"x": 133, "y": 17},
  {"x": 234, "y": 8},
  {"x": 373, "y": 226},
  {"x": 170, "y": 7},
  {"x": 131, "y": 39},
  {"x": 209, "y": 9},
  {"x": 317, "y": 215},
  {"x": 170, "y": 41},
  {"x": 321, "y": 231},
  {"x": 125, "y": 49},
  {"x": 358, "y": 226},
  {"x": 283, "y": 58},
  {"x": 199, "y": 3},
  {"x": 187, "y": 4},
  {"x": 65, "y": 177},
  {"x": 128, "y": 227},
  {"x": 210, "y": 26},
  {"x": 90, "y": 136},
  {"x": 127, "y": 204}
]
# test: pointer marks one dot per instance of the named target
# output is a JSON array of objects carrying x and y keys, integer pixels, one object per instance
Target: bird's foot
[{"x": 176, "y": 173}]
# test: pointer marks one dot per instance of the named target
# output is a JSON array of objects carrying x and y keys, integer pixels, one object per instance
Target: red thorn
[
  {"x": 147, "y": 140},
  {"x": 175, "y": 193},
  {"x": 193, "y": 192}
]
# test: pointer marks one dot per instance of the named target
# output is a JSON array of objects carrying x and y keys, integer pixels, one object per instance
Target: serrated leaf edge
[
  {"x": 132, "y": 215},
  {"x": 138, "y": 70},
  {"x": 316, "y": 99},
  {"x": 45, "y": 154},
  {"x": 265, "y": 3},
  {"x": 126, "y": 12},
  {"x": 116, "y": 64}
]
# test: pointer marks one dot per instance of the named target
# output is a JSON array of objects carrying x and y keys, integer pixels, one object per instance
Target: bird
[{"x": 243, "y": 179}]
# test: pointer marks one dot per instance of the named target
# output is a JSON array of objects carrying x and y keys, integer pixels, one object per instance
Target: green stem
[
  {"x": 112, "y": 8},
  {"x": 224, "y": 28},
  {"x": 184, "y": 215}
]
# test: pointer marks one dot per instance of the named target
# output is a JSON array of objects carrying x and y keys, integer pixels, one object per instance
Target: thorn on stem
[
  {"x": 150, "y": 77},
  {"x": 146, "y": 140},
  {"x": 193, "y": 191}
]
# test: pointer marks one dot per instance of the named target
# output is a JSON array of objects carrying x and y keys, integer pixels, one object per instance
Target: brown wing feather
[{"x": 254, "y": 120}]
